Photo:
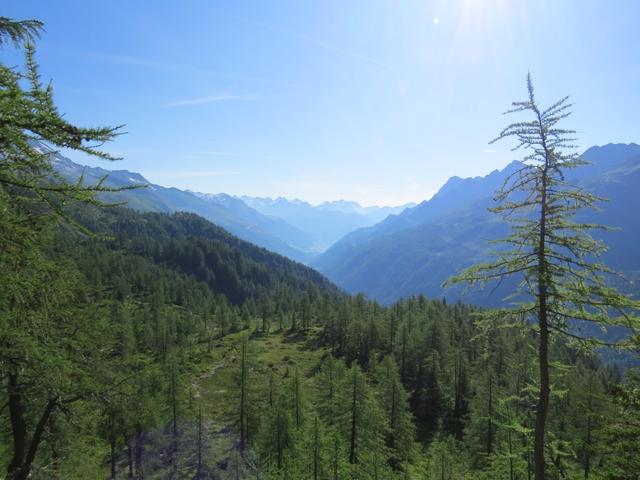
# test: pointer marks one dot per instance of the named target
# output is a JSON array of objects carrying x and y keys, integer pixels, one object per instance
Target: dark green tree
[
  {"x": 623, "y": 431},
  {"x": 394, "y": 400}
]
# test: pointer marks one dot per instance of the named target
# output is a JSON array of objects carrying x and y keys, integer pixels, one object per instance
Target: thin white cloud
[
  {"x": 130, "y": 60},
  {"x": 224, "y": 97},
  {"x": 237, "y": 154},
  {"x": 132, "y": 152},
  {"x": 210, "y": 142},
  {"x": 320, "y": 43},
  {"x": 141, "y": 62},
  {"x": 487, "y": 150},
  {"x": 180, "y": 174}
]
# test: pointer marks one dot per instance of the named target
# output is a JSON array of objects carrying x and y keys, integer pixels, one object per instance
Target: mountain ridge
[
  {"x": 416, "y": 251},
  {"x": 239, "y": 220},
  {"x": 327, "y": 222},
  {"x": 299, "y": 240}
]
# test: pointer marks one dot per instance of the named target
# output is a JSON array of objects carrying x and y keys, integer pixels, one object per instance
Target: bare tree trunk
[
  {"x": 22, "y": 470},
  {"x": 18, "y": 423},
  {"x": 173, "y": 405},
  {"x": 587, "y": 446},
  {"x": 403, "y": 355},
  {"x": 510, "y": 443},
  {"x": 543, "y": 348},
  {"x": 335, "y": 458},
  {"x": 354, "y": 419},
  {"x": 199, "y": 472},
  {"x": 316, "y": 449},
  {"x": 24, "y": 452},
  {"x": 174, "y": 409},
  {"x": 55, "y": 453},
  {"x": 490, "y": 418}
]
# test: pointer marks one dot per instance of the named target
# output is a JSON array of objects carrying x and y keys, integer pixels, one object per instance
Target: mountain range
[
  {"x": 326, "y": 223},
  {"x": 293, "y": 228},
  {"x": 416, "y": 251},
  {"x": 393, "y": 252}
]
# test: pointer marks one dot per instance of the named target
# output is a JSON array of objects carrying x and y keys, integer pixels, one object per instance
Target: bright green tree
[{"x": 39, "y": 324}]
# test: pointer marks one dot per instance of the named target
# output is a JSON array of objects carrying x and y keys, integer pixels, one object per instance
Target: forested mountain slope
[
  {"x": 190, "y": 245},
  {"x": 278, "y": 374},
  {"x": 417, "y": 250},
  {"x": 196, "y": 354}
]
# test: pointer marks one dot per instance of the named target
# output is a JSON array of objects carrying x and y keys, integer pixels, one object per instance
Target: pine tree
[{"x": 550, "y": 251}]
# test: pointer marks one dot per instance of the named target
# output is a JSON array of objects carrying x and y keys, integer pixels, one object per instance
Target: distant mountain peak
[
  {"x": 72, "y": 170},
  {"x": 455, "y": 183},
  {"x": 134, "y": 177},
  {"x": 451, "y": 184},
  {"x": 612, "y": 152},
  {"x": 418, "y": 250}
]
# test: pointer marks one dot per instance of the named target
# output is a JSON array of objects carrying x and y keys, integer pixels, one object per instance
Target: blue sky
[{"x": 375, "y": 101}]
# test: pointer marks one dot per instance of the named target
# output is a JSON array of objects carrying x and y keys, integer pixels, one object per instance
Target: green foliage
[
  {"x": 622, "y": 433},
  {"x": 149, "y": 349},
  {"x": 19, "y": 32},
  {"x": 552, "y": 255},
  {"x": 49, "y": 360}
]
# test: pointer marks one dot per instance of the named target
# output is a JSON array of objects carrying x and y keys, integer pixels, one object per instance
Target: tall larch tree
[
  {"x": 38, "y": 327},
  {"x": 549, "y": 250}
]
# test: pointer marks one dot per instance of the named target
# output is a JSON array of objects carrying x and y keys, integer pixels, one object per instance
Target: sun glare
[{"x": 484, "y": 27}]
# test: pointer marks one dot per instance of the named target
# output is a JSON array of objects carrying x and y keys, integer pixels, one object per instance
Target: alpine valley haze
[{"x": 364, "y": 240}]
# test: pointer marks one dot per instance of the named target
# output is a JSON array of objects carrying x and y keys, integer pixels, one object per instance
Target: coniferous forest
[{"x": 156, "y": 345}]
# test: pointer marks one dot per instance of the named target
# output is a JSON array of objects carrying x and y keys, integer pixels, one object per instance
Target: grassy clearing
[{"x": 280, "y": 352}]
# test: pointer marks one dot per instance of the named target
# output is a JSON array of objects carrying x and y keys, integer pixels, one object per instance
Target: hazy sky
[{"x": 375, "y": 101}]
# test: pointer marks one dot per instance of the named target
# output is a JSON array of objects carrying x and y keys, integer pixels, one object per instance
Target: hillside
[
  {"x": 414, "y": 252},
  {"x": 190, "y": 245}
]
